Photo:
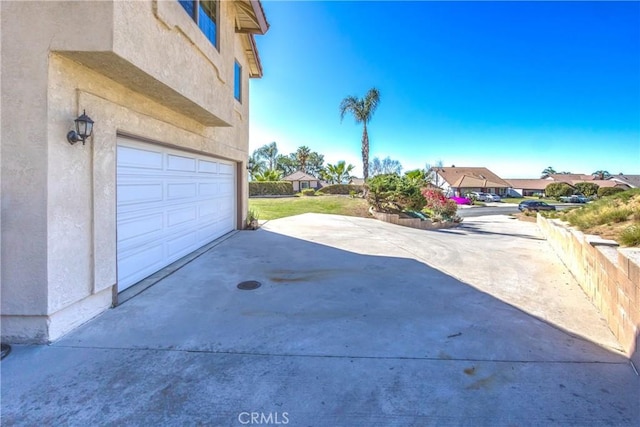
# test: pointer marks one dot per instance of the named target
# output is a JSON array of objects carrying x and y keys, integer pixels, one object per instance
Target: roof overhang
[
  {"x": 250, "y": 17},
  {"x": 251, "y": 20}
]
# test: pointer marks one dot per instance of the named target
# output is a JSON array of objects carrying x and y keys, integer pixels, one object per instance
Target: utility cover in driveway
[{"x": 169, "y": 203}]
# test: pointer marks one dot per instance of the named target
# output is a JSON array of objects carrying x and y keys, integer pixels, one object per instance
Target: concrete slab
[{"x": 357, "y": 322}]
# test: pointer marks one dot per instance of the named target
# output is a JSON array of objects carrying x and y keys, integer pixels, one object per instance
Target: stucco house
[
  {"x": 631, "y": 181},
  {"x": 527, "y": 187},
  {"x": 458, "y": 181},
  {"x": 164, "y": 170},
  {"x": 301, "y": 181}
]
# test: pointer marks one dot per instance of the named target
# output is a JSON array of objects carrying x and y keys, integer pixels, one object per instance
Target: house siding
[{"x": 126, "y": 64}]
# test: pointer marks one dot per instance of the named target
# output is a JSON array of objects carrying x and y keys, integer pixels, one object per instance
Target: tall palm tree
[
  {"x": 302, "y": 155},
  {"x": 339, "y": 173},
  {"x": 362, "y": 110},
  {"x": 270, "y": 153}
]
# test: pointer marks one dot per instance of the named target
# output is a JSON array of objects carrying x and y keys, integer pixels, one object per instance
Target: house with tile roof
[
  {"x": 458, "y": 181},
  {"x": 302, "y": 181}
]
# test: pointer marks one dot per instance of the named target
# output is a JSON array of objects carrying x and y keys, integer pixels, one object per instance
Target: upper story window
[
  {"x": 237, "y": 81},
  {"x": 205, "y": 14}
]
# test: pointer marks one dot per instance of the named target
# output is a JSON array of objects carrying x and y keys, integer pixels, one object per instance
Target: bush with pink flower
[{"x": 438, "y": 207}]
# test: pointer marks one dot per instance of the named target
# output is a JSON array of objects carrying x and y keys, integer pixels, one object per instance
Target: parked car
[
  {"x": 492, "y": 197},
  {"x": 574, "y": 199},
  {"x": 461, "y": 200},
  {"x": 534, "y": 205},
  {"x": 479, "y": 196}
]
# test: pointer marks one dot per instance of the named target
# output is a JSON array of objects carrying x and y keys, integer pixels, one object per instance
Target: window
[
  {"x": 205, "y": 14},
  {"x": 304, "y": 184},
  {"x": 237, "y": 82}
]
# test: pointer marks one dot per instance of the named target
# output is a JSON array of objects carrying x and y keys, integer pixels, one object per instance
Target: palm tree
[
  {"x": 302, "y": 155},
  {"x": 362, "y": 110},
  {"x": 255, "y": 165},
  {"x": 269, "y": 175},
  {"x": 270, "y": 153},
  {"x": 548, "y": 171},
  {"x": 339, "y": 173},
  {"x": 600, "y": 174}
]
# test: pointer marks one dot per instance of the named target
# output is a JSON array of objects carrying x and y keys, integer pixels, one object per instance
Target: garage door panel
[
  {"x": 140, "y": 193},
  {"x": 226, "y": 169},
  {"x": 181, "y": 191},
  {"x": 182, "y": 216},
  {"x": 205, "y": 166},
  {"x": 137, "y": 158},
  {"x": 141, "y": 263},
  {"x": 169, "y": 204},
  {"x": 208, "y": 189},
  {"x": 140, "y": 226},
  {"x": 180, "y": 163}
]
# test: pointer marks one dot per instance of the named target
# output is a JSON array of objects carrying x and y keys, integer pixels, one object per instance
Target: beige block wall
[
  {"x": 610, "y": 276},
  {"x": 58, "y": 200}
]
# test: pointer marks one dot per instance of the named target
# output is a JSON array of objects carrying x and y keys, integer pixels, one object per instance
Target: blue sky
[{"x": 513, "y": 86}]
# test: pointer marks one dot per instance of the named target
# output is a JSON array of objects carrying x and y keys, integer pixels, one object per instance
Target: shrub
[
  {"x": 558, "y": 189},
  {"x": 308, "y": 192},
  {"x": 609, "y": 191},
  {"x": 341, "y": 189},
  {"x": 630, "y": 236},
  {"x": 587, "y": 189},
  {"x": 392, "y": 193},
  {"x": 439, "y": 207},
  {"x": 270, "y": 188}
]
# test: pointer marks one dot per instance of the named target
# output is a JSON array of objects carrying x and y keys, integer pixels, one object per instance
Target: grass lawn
[{"x": 268, "y": 208}]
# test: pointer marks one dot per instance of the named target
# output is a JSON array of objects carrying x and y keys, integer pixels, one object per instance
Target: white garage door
[{"x": 169, "y": 203}]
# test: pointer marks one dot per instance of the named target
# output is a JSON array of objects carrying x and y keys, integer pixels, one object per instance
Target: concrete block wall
[
  {"x": 411, "y": 222},
  {"x": 608, "y": 274}
]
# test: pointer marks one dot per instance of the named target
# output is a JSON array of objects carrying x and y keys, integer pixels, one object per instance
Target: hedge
[
  {"x": 270, "y": 188},
  {"x": 558, "y": 189},
  {"x": 608, "y": 191},
  {"x": 340, "y": 189}
]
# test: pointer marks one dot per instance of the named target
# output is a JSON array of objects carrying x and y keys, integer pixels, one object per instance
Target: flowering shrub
[
  {"x": 439, "y": 206},
  {"x": 461, "y": 200},
  {"x": 393, "y": 193}
]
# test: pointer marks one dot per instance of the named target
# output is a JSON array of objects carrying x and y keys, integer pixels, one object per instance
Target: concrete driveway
[{"x": 357, "y": 323}]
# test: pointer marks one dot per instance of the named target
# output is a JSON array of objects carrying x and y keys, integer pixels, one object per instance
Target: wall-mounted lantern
[{"x": 84, "y": 127}]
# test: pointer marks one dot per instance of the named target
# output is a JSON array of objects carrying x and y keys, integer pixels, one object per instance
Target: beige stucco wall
[{"x": 58, "y": 200}]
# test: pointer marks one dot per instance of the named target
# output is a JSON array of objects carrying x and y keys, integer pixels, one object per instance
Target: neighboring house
[
  {"x": 301, "y": 181},
  {"x": 458, "y": 181},
  {"x": 356, "y": 181},
  {"x": 164, "y": 171},
  {"x": 527, "y": 187},
  {"x": 632, "y": 181},
  {"x": 568, "y": 177}
]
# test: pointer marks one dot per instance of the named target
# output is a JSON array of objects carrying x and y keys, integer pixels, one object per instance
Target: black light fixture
[{"x": 84, "y": 127}]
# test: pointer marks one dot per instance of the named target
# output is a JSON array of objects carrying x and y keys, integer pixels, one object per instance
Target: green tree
[
  {"x": 315, "y": 164},
  {"x": 608, "y": 191},
  {"x": 416, "y": 176},
  {"x": 255, "y": 165},
  {"x": 302, "y": 155},
  {"x": 587, "y": 188},
  {"x": 558, "y": 189},
  {"x": 548, "y": 171},
  {"x": 362, "y": 110},
  {"x": 392, "y": 193},
  {"x": 269, "y": 152},
  {"x": 269, "y": 175},
  {"x": 340, "y": 173}
]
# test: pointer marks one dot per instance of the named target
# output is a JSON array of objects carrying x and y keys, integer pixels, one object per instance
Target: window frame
[
  {"x": 195, "y": 17},
  {"x": 237, "y": 81}
]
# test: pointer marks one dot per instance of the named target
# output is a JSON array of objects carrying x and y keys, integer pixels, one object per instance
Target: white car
[
  {"x": 480, "y": 196},
  {"x": 492, "y": 197}
]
